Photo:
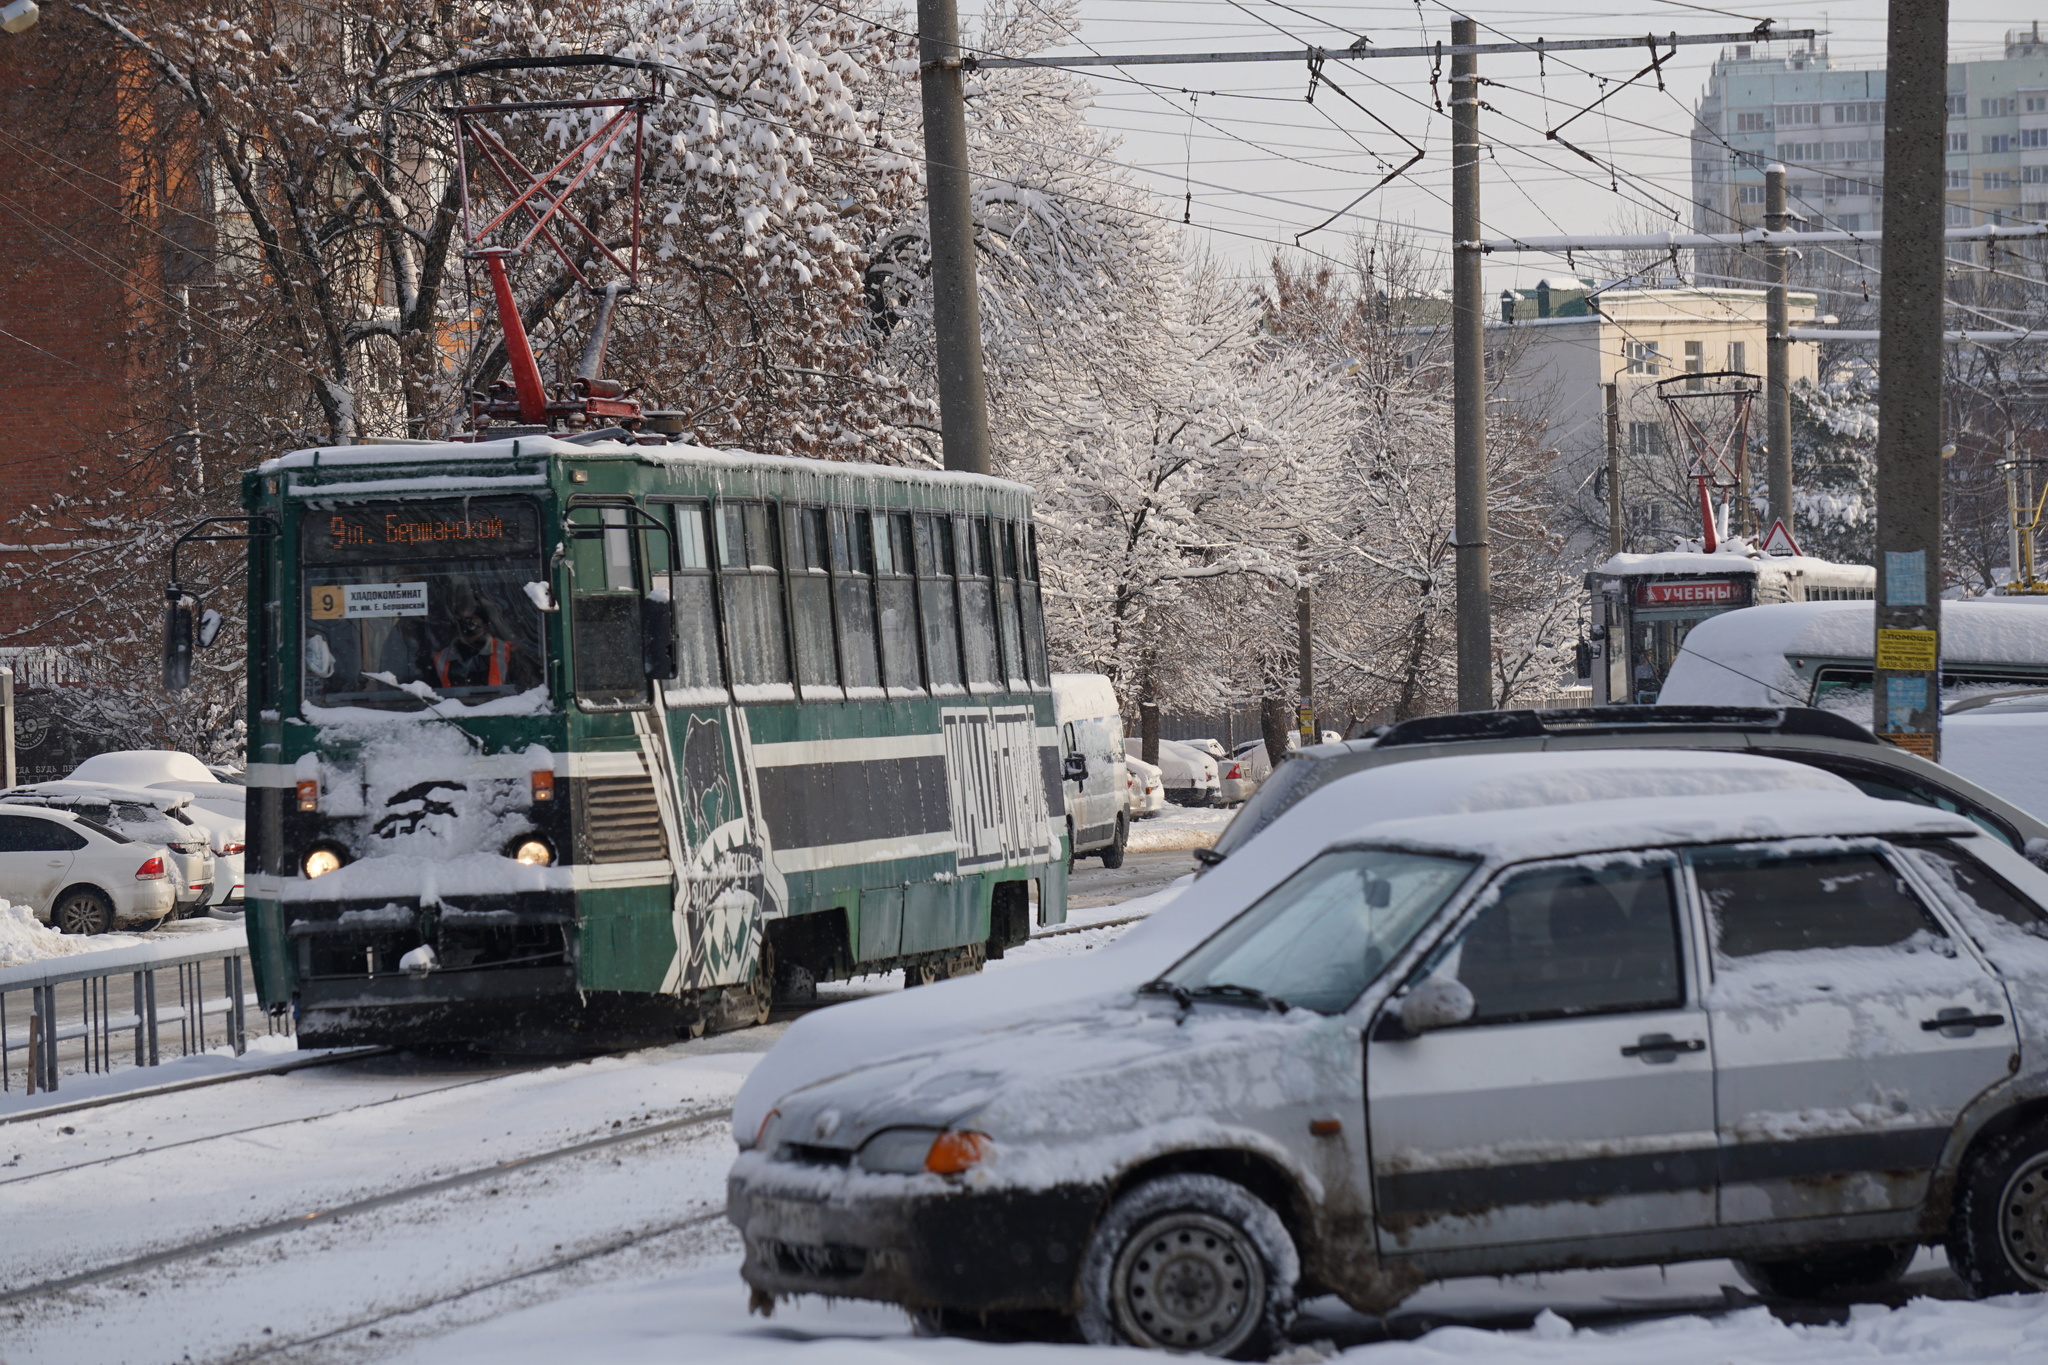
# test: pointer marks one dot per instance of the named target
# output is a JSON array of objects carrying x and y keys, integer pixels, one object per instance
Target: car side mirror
[
  {"x": 177, "y": 641},
  {"x": 1439, "y": 1002},
  {"x": 657, "y": 636},
  {"x": 1076, "y": 769}
]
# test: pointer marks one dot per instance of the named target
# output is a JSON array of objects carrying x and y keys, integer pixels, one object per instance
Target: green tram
[{"x": 557, "y": 742}]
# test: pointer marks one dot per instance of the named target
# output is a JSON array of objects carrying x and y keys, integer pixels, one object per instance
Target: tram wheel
[{"x": 757, "y": 997}]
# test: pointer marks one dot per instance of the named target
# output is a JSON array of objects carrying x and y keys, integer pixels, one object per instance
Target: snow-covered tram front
[{"x": 437, "y": 826}]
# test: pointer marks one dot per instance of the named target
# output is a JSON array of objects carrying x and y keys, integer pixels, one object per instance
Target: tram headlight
[
  {"x": 533, "y": 852},
  {"x": 322, "y": 860}
]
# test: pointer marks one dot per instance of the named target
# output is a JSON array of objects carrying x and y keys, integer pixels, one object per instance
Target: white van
[
  {"x": 1095, "y": 781},
  {"x": 1806, "y": 653}
]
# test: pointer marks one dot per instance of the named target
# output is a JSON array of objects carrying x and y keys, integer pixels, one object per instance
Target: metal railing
[{"x": 67, "y": 1015}]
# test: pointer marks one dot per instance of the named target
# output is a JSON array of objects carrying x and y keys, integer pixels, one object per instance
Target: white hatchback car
[
  {"x": 144, "y": 815},
  {"x": 1462, "y": 1016},
  {"x": 81, "y": 877}
]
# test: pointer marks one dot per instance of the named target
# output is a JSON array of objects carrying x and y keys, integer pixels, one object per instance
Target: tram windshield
[{"x": 409, "y": 603}]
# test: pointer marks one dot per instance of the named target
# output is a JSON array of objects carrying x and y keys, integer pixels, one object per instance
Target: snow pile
[
  {"x": 1179, "y": 827},
  {"x": 25, "y": 939}
]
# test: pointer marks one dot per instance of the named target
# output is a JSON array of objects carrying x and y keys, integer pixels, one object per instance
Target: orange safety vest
[{"x": 501, "y": 658}]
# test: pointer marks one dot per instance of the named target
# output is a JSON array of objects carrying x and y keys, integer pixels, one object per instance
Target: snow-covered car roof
[
  {"x": 1433, "y": 797},
  {"x": 69, "y": 790},
  {"x": 144, "y": 768},
  {"x": 1739, "y": 657}
]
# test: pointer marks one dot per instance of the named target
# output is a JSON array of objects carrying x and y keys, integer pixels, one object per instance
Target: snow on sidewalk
[{"x": 1179, "y": 827}]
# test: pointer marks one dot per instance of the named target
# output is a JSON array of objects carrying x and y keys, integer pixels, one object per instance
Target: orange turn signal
[
  {"x": 309, "y": 793},
  {"x": 543, "y": 784},
  {"x": 953, "y": 1153}
]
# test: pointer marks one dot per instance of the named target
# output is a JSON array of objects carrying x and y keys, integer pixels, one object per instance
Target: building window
[
  {"x": 2034, "y": 137},
  {"x": 1956, "y": 180},
  {"x": 1792, "y": 115},
  {"x": 1749, "y": 123},
  {"x": 1799, "y": 151},
  {"x": 1836, "y": 187},
  {"x": 2035, "y": 212},
  {"x": 1738, "y": 356},
  {"x": 1999, "y": 142},
  {"x": 1998, "y": 180},
  {"x": 1959, "y": 142},
  {"x": 1850, "y": 222},
  {"x": 1995, "y": 108},
  {"x": 2034, "y": 175},
  {"x": 1695, "y": 363},
  {"x": 1852, "y": 151},
  {"x": 1957, "y": 104},
  {"x": 1868, "y": 112},
  {"x": 1958, "y": 215},
  {"x": 1750, "y": 194},
  {"x": 1645, "y": 439},
  {"x": 2037, "y": 104},
  {"x": 1643, "y": 358}
]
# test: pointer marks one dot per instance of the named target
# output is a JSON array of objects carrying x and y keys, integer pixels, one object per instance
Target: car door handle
[
  {"x": 55, "y": 862},
  {"x": 1656, "y": 1048},
  {"x": 1960, "y": 1023}
]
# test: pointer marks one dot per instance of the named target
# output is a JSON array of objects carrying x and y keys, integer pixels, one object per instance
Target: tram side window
[
  {"x": 605, "y": 614},
  {"x": 810, "y": 592},
  {"x": 1008, "y": 589},
  {"x": 935, "y": 573},
  {"x": 853, "y": 592},
  {"x": 749, "y": 565},
  {"x": 691, "y": 590},
  {"x": 977, "y": 602},
  {"x": 896, "y": 600},
  {"x": 1033, "y": 611}
]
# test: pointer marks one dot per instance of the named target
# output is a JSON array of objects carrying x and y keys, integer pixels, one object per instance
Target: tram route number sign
[
  {"x": 344, "y": 601},
  {"x": 1703, "y": 592}
]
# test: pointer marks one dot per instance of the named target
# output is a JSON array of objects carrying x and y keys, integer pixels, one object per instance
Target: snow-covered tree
[{"x": 1834, "y": 469}]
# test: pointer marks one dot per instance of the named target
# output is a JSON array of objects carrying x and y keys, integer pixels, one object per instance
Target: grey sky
[{"x": 1263, "y": 165}]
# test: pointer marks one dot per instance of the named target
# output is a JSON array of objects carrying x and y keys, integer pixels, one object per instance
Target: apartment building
[{"x": 1824, "y": 122}]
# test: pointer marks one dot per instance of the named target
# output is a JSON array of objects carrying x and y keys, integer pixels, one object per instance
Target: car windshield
[
  {"x": 1320, "y": 938},
  {"x": 410, "y": 602}
]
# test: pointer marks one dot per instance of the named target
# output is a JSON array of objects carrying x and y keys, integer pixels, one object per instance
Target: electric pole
[
  {"x": 1907, "y": 698},
  {"x": 956, "y": 307},
  {"x": 1468, "y": 368},
  {"x": 1616, "y": 539},
  {"x": 1305, "y": 661},
  {"x": 1778, "y": 354}
]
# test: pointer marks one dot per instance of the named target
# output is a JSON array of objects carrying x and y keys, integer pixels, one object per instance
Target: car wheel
[
  {"x": 1999, "y": 1241},
  {"x": 1190, "y": 1263},
  {"x": 1828, "y": 1274},
  {"x": 1113, "y": 856},
  {"x": 82, "y": 910}
]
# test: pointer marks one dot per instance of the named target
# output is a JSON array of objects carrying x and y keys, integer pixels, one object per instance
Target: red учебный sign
[{"x": 1703, "y": 592}]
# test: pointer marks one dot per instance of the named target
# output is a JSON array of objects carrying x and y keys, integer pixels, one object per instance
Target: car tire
[
  {"x": 1190, "y": 1263},
  {"x": 81, "y": 910},
  {"x": 1828, "y": 1274},
  {"x": 1113, "y": 856},
  {"x": 1998, "y": 1243}
]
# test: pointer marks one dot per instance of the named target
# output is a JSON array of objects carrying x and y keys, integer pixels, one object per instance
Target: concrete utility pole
[
  {"x": 1616, "y": 538},
  {"x": 1777, "y": 354},
  {"x": 1907, "y": 699},
  {"x": 1468, "y": 370},
  {"x": 956, "y": 307},
  {"x": 1305, "y": 658}
]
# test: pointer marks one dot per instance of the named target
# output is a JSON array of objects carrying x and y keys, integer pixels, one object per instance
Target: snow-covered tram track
[{"x": 323, "y": 1217}]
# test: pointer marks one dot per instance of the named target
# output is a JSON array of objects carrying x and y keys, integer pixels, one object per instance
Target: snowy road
[{"x": 392, "y": 1209}]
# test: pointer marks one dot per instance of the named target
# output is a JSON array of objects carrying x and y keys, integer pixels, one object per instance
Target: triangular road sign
[{"x": 1778, "y": 541}]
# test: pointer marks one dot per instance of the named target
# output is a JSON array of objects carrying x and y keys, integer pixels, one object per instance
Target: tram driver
[{"x": 478, "y": 655}]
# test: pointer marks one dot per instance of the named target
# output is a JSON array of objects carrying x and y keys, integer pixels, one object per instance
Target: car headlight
[
  {"x": 897, "y": 1151},
  {"x": 533, "y": 852},
  {"x": 912, "y": 1151},
  {"x": 321, "y": 861}
]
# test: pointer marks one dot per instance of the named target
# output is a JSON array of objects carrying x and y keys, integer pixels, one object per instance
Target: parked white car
[
  {"x": 1459, "y": 1016},
  {"x": 1147, "y": 788},
  {"x": 149, "y": 817},
  {"x": 80, "y": 877},
  {"x": 218, "y": 804},
  {"x": 1189, "y": 774}
]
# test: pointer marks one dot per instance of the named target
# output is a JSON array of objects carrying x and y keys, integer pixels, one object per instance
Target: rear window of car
[{"x": 104, "y": 831}]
